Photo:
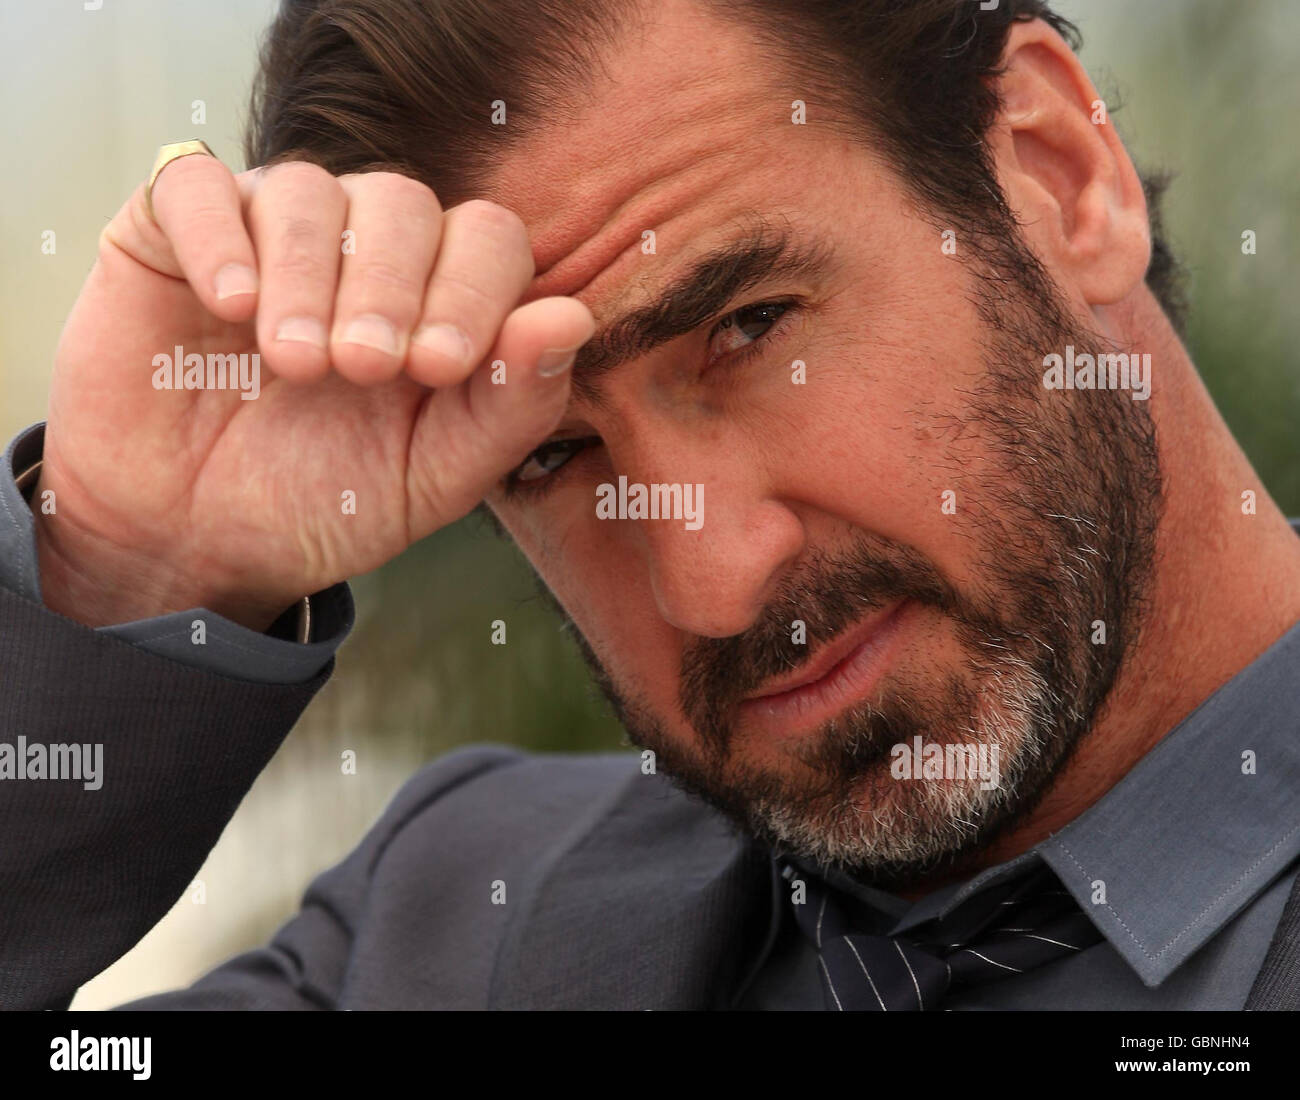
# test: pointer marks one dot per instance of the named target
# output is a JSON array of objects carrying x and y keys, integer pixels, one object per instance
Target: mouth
[{"x": 838, "y": 675}]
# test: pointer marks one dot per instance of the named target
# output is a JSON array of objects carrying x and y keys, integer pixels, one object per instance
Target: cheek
[
  {"x": 881, "y": 436},
  {"x": 605, "y": 590}
]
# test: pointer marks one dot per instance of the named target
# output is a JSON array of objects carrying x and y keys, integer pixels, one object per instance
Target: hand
[{"x": 167, "y": 499}]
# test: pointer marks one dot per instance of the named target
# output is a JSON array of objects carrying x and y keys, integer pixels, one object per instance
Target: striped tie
[{"x": 1004, "y": 930}]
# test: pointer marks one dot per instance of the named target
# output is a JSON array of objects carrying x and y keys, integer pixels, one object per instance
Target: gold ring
[{"x": 166, "y": 155}]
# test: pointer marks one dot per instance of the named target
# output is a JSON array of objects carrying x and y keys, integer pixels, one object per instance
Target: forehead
[{"x": 686, "y": 131}]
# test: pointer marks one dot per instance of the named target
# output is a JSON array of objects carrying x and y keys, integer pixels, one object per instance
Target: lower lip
[{"x": 808, "y": 706}]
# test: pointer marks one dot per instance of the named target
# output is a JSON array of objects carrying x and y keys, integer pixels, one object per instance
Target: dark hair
[{"x": 407, "y": 85}]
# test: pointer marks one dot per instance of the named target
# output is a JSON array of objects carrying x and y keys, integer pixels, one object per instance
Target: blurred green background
[{"x": 1206, "y": 88}]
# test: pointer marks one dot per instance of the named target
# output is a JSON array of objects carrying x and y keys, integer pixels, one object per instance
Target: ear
[{"x": 1065, "y": 171}]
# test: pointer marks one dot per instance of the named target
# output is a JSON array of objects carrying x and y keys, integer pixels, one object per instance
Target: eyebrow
[{"x": 762, "y": 254}]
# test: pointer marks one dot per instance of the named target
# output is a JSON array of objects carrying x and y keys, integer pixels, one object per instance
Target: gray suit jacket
[{"x": 619, "y": 891}]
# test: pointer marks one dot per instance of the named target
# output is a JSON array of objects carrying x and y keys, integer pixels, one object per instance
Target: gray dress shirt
[{"x": 1184, "y": 865}]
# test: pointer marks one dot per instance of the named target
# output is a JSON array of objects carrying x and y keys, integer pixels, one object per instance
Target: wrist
[{"x": 98, "y": 582}]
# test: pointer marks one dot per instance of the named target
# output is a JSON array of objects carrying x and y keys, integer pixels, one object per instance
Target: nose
[{"x": 715, "y": 580}]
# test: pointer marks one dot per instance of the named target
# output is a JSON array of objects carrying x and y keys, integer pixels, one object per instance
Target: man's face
[{"x": 892, "y": 506}]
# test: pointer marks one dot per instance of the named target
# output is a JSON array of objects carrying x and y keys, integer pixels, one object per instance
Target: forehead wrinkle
[
  {"x": 708, "y": 285},
  {"x": 644, "y": 144},
  {"x": 581, "y": 239}
]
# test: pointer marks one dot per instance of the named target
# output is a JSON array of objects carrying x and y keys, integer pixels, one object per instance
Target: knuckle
[
  {"x": 300, "y": 267},
  {"x": 209, "y": 217},
  {"x": 298, "y": 234},
  {"x": 387, "y": 277},
  {"x": 463, "y": 292},
  {"x": 407, "y": 189},
  {"x": 299, "y": 175},
  {"x": 299, "y": 247},
  {"x": 491, "y": 218}
]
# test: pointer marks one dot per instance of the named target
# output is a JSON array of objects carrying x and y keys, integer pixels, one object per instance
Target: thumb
[{"x": 469, "y": 436}]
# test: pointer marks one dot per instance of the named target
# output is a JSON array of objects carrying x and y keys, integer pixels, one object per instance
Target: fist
[{"x": 387, "y": 378}]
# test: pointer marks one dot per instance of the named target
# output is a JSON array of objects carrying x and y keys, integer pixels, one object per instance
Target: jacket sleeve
[
  {"x": 164, "y": 751},
  {"x": 307, "y": 963}
]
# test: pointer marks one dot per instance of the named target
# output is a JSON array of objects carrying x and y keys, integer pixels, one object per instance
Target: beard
[{"x": 1061, "y": 516}]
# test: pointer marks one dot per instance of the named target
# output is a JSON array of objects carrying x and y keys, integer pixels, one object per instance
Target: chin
[{"x": 851, "y": 801}]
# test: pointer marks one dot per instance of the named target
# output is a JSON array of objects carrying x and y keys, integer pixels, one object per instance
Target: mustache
[{"x": 830, "y": 594}]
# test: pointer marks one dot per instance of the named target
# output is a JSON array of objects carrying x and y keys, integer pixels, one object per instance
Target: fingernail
[
  {"x": 555, "y": 361},
  {"x": 235, "y": 279},
  {"x": 446, "y": 340},
  {"x": 371, "y": 331},
  {"x": 302, "y": 330}
]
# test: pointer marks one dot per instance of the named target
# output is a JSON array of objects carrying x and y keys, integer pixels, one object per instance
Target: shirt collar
[
  {"x": 1199, "y": 827},
  {"x": 1178, "y": 847}
]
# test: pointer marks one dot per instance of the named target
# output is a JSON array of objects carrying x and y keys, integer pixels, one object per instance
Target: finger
[
  {"x": 484, "y": 265},
  {"x": 469, "y": 436},
  {"x": 196, "y": 233},
  {"x": 296, "y": 216},
  {"x": 393, "y": 227}
]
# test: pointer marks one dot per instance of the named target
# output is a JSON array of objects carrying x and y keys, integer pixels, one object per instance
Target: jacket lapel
[{"x": 652, "y": 901}]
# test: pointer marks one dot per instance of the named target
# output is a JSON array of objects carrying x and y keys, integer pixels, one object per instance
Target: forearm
[{"x": 88, "y": 866}]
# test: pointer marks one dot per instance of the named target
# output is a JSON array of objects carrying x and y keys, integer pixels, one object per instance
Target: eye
[
  {"x": 745, "y": 328},
  {"x": 543, "y": 462},
  {"x": 734, "y": 338}
]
